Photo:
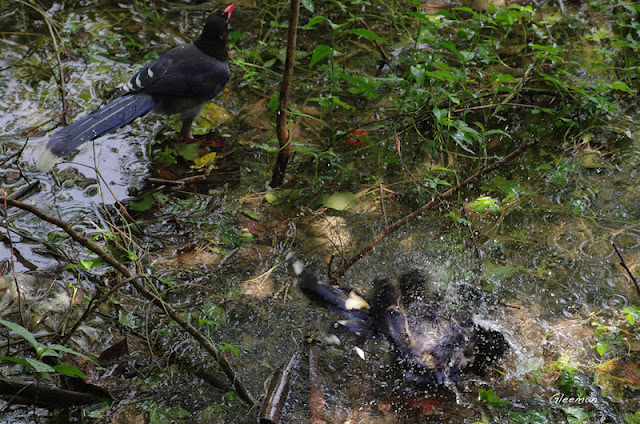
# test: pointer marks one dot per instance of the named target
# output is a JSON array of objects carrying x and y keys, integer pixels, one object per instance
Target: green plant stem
[
  {"x": 53, "y": 34},
  {"x": 93, "y": 304}
]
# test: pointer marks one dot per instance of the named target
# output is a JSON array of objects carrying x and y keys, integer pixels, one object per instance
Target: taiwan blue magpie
[
  {"x": 180, "y": 81},
  {"x": 432, "y": 340}
]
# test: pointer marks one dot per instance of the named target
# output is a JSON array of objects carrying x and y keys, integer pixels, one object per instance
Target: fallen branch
[
  {"x": 32, "y": 393},
  {"x": 435, "y": 201},
  {"x": 278, "y": 392},
  {"x": 136, "y": 282},
  {"x": 316, "y": 387}
]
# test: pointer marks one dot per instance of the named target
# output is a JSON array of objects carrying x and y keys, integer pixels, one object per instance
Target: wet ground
[{"x": 217, "y": 240}]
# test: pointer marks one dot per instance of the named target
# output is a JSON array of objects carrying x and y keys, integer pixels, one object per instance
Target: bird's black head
[{"x": 214, "y": 37}]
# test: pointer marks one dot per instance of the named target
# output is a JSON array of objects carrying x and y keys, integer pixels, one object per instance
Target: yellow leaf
[{"x": 207, "y": 159}]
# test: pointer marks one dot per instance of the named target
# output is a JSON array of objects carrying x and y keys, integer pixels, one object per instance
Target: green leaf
[
  {"x": 441, "y": 115},
  {"x": 61, "y": 348},
  {"x": 50, "y": 352},
  {"x": 235, "y": 349},
  {"x": 621, "y": 86},
  {"x": 143, "y": 204},
  {"x": 320, "y": 52},
  {"x": 336, "y": 100},
  {"x": 88, "y": 264},
  {"x": 26, "y": 334},
  {"x": 317, "y": 19},
  {"x": 632, "y": 314},
  {"x": 127, "y": 319},
  {"x": 69, "y": 371},
  {"x": 39, "y": 366},
  {"x": 485, "y": 204},
  {"x": 362, "y": 32},
  {"x": 576, "y": 415},
  {"x": 308, "y": 4},
  {"x": 15, "y": 359},
  {"x": 274, "y": 102},
  {"x": 340, "y": 201},
  {"x": 418, "y": 73},
  {"x": 603, "y": 347},
  {"x": 313, "y": 21},
  {"x": 450, "y": 46},
  {"x": 189, "y": 151},
  {"x": 150, "y": 15},
  {"x": 360, "y": 82},
  {"x": 34, "y": 364},
  {"x": 504, "y": 78},
  {"x": 489, "y": 398}
]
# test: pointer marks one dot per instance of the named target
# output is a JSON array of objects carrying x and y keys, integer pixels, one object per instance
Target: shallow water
[{"x": 547, "y": 257}]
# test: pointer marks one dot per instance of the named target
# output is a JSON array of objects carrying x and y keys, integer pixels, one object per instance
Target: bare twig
[
  {"x": 519, "y": 85},
  {"x": 624, "y": 265},
  {"x": 12, "y": 258},
  {"x": 631, "y": 3},
  {"x": 435, "y": 201},
  {"x": 376, "y": 42},
  {"x": 54, "y": 36},
  {"x": 24, "y": 191},
  {"x": 284, "y": 135},
  {"x": 473, "y": 236},
  {"x": 93, "y": 304},
  {"x": 399, "y": 150},
  {"x": 384, "y": 212}
]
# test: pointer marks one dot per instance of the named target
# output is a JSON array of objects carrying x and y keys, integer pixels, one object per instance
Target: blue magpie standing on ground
[
  {"x": 180, "y": 81},
  {"x": 432, "y": 341}
]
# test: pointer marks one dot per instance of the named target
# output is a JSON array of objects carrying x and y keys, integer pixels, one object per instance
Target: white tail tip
[{"x": 47, "y": 160}]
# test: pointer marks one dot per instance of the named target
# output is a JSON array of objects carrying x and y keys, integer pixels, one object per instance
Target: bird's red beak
[{"x": 228, "y": 11}]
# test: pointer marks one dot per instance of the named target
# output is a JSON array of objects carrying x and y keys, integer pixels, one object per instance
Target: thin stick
[
  {"x": 93, "y": 304},
  {"x": 54, "y": 34},
  {"x": 435, "y": 201},
  {"x": 378, "y": 45},
  {"x": 136, "y": 282},
  {"x": 624, "y": 265},
  {"x": 284, "y": 135},
  {"x": 473, "y": 236}
]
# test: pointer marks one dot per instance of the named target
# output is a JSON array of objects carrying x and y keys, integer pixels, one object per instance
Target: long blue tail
[{"x": 102, "y": 121}]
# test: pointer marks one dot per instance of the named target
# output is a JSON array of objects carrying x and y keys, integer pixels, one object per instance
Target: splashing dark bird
[{"x": 432, "y": 340}]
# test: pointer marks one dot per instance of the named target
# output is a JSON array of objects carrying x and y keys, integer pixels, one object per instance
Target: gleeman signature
[{"x": 560, "y": 398}]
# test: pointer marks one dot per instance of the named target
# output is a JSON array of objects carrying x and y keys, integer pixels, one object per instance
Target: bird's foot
[
  {"x": 213, "y": 141},
  {"x": 206, "y": 139}
]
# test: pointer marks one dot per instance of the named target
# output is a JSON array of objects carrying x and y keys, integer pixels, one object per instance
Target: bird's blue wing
[{"x": 184, "y": 71}]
